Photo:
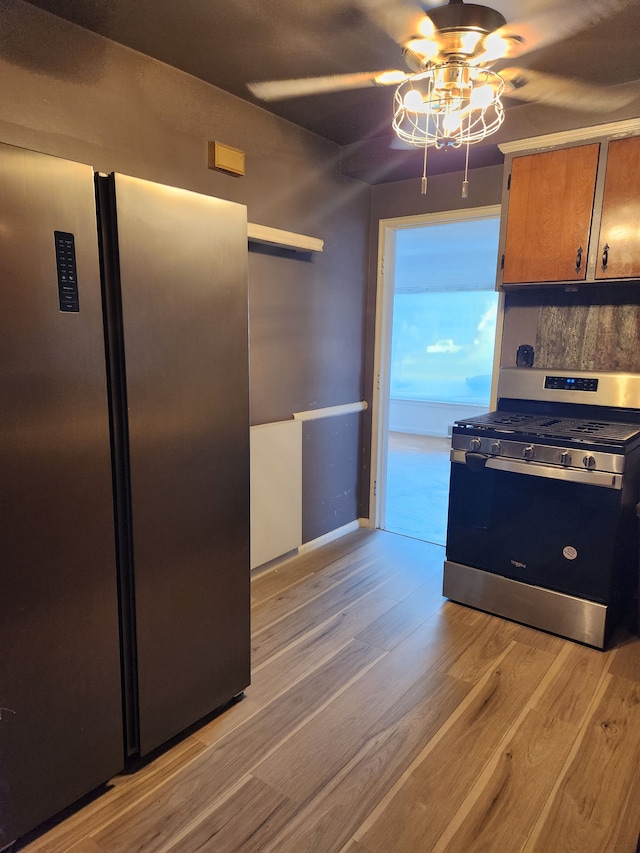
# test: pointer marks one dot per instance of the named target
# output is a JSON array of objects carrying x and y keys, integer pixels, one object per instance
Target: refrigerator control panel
[{"x": 66, "y": 265}]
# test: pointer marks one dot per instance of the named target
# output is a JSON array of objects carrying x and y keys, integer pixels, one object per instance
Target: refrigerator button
[{"x": 66, "y": 268}]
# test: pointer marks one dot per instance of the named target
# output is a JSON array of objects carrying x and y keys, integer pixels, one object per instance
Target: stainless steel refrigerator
[{"x": 124, "y": 474}]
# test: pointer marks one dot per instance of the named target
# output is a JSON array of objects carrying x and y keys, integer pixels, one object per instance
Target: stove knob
[
  {"x": 565, "y": 458},
  {"x": 589, "y": 461},
  {"x": 475, "y": 444},
  {"x": 495, "y": 447},
  {"x": 529, "y": 451}
]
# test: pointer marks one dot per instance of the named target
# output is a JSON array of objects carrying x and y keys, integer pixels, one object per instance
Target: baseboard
[
  {"x": 269, "y": 566},
  {"x": 332, "y": 535}
]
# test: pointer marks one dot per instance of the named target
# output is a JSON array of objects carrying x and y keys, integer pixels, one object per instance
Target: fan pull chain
[
  {"x": 465, "y": 183},
  {"x": 424, "y": 173}
]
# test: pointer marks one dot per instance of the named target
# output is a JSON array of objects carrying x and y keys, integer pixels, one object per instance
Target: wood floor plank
[
  {"x": 362, "y": 561},
  {"x": 626, "y": 659},
  {"x": 156, "y": 820},
  {"x": 390, "y": 547},
  {"x": 380, "y": 548},
  {"x": 280, "y": 674},
  {"x": 276, "y": 637},
  {"x": 522, "y": 633},
  {"x": 327, "y": 820},
  {"x": 508, "y": 796},
  {"x": 85, "y": 846},
  {"x": 284, "y": 603},
  {"x": 417, "y": 813},
  {"x": 398, "y": 622},
  {"x": 538, "y": 639},
  {"x": 407, "y": 580},
  {"x": 123, "y": 792},
  {"x": 627, "y": 829},
  {"x": 311, "y": 567},
  {"x": 354, "y": 847},
  {"x": 243, "y": 823},
  {"x": 291, "y": 570},
  {"x": 491, "y": 640},
  {"x": 465, "y": 614},
  {"x": 595, "y": 790},
  {"x": 335, "y": 736},
  {"x": 573, "y": 683}
]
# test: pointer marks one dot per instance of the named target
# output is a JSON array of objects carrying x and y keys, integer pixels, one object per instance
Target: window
[{"x": 444, "y": 311}]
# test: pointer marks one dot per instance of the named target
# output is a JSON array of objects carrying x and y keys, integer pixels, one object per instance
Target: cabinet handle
[
  {"x": 579, "y": 259},
  {"x": 605, "y": 256}
]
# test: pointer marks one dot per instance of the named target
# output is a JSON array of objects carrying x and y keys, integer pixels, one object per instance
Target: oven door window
[{"x": 555, "y": 534}]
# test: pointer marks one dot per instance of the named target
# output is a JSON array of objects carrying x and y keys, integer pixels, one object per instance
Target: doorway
[{"x": 437, "y": 320}]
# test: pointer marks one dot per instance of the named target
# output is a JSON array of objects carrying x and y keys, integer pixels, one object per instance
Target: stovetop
[
  {"x": 561, "y": 409},
  {"x": 565, "y": 429}
]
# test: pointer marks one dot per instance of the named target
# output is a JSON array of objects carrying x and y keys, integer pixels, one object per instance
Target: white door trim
[{"x": 387, "y": 230}]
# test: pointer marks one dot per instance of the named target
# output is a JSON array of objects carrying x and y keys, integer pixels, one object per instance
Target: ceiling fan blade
[
  {"x": 528, "y": 85},
  {"x": 547, "y": 27},
  {"x": 402, "y": 20},
  {"x": 275, "y": 90}
]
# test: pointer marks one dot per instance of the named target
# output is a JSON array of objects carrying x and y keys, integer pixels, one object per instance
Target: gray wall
[{"x": 68, "y": 92}]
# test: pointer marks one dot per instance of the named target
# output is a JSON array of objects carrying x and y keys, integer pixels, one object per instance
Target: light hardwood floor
[{"x": 384, "y": 719}]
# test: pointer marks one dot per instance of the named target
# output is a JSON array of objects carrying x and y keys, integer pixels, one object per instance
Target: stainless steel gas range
[{"x": 542, "y": 525}]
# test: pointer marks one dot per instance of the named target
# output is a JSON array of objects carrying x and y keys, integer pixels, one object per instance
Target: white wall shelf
[
  {"x": 284, "y": 239},
  {"x": 330, "y": 411}
]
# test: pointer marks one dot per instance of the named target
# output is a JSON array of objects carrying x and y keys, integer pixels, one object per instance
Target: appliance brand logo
[{"x": 518, "y": 564}]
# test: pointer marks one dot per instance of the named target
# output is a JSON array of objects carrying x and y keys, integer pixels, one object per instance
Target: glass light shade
[
  {"x": 413, "y": 101},
  {"x": 452, "y": 120},
  {"x": 481, "y": 96},
  {"x": 427, "y": 47}
]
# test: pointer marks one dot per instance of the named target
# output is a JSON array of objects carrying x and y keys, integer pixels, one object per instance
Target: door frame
[{"x": 387, "y": 231}]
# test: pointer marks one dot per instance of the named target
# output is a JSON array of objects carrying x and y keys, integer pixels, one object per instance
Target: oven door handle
[
  {"x": 475, "y": 461},
  {"x": 603, "y": 479}
]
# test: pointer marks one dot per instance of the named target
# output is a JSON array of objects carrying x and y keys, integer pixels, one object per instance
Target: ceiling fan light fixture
[
  {"x": 481, "y": 96},
  {"x": 498, "y": 45},
  {"x": 448, "y": 106},
  {"x": 457, "y": 16},
  {"x": 440, "y": 91},
  {"x": 470, "y": 40},
  {"x": 426, "y": 48},
  {"x": 451, "y": 121},
  {"x": 413, "y": 102}
]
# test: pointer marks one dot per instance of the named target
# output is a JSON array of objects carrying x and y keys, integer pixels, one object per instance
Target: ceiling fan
[
  {"x": 478, "y": 36},
  {"x": 450, "y": 94}
]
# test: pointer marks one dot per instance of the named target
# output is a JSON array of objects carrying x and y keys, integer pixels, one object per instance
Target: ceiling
[{"x": 232, "y": 42}]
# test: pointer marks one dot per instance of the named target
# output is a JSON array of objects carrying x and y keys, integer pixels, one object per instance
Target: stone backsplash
[{"x": 585, "y": 328}]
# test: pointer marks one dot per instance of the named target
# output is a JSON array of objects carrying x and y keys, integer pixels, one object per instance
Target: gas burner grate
[
  {"x": 552, "y": 427},
  {"x": 589, "y": 427}
]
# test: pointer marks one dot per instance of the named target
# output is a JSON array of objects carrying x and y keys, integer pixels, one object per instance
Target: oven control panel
[
  {"x": 609, "y": 389},
  {"x": 571, "y": 383}
]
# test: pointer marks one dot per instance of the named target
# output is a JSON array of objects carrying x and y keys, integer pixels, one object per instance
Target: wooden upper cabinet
[
  {"x": 549, "y": 218},
  {"x": 619, "y": 242}
]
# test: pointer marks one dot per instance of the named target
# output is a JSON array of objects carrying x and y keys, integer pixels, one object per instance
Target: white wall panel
[{"x": 276, "y": 490}]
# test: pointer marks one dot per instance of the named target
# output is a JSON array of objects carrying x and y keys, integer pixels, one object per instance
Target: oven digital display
[{"x": 570, "y": 383}]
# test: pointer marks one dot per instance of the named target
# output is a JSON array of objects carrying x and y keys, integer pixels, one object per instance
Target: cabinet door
[
  {"x": 619, "y": 243},
  {"x": 550, "y": 207}
]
